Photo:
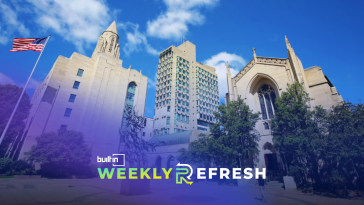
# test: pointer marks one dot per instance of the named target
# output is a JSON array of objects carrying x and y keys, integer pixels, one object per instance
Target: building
[
  {"x": 263, "y": 79},
  {"x": 187, "y": 96},
  {"x": 148, "y": 129},
  {"x": 87, "y": 95},
  {"x": 187, "y": 92}
]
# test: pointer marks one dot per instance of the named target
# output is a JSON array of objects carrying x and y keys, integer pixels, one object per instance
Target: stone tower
[{"x": 108, "y": 42}]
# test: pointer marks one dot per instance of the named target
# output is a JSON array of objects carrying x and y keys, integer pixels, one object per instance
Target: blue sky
[{"x": 323, "y": 33}]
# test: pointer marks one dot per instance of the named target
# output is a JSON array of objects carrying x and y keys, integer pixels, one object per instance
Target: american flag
[{"x": 26, "y": 44}]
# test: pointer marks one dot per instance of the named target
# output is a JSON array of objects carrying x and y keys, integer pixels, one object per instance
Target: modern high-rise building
[{"x": 187, "y": 92}]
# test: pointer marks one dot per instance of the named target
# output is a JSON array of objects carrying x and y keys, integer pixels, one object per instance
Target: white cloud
[
  {"x": 9, "y": 23},
  {"x": 135, "y": 39},
  {"x": 172, "y": 23},
  {"x": 152, "y": 83},
  {"x": 79, "y": 22},
  {"x": 218, "y": 61},
  {"x": 33, "y": 84},
  {"x": 6, "y": 80}
]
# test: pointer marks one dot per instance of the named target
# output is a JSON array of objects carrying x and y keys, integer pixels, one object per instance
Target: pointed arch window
[
  {"x": 111, "y": 44},
  {"x": 129, "y": 101},
  {"x": 267, "y": 97}
]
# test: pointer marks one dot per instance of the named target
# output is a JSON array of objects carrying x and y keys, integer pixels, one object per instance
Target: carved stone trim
[
  {"x": 265, "y": 60},
  {"x": 278, "y": 61},
  {"x": 244, "y": 70}
]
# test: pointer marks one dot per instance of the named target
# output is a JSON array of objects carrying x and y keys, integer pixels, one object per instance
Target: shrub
[{"x": 5, "y": 165}]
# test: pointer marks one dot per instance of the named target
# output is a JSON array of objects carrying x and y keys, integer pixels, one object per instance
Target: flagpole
[{"x": 22, "y": 93}]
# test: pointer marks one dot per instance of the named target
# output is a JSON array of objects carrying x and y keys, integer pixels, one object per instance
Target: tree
[
  {"x": 197, "y": 153},
  {"x": 233, "y": 134},
  {"x": 298, "y": 132},
  {"x": 344, "y": 147},
  {"x": 61, "y": 154},
  {"x": 9, "y": 95},
  {"x": 131, "y": 135}
]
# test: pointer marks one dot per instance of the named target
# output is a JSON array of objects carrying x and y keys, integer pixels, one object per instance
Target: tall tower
[
  {"x": 187, "y": 92},
  {"x": 108, "y": 42}
]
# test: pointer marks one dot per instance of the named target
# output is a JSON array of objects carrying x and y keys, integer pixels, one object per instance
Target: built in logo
[{"x": 117, "y": 160}]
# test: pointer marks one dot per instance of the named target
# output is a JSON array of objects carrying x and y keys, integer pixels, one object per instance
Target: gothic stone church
[{"x": 263, "y": 79}]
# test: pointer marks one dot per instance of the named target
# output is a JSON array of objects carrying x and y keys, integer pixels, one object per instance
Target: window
[
  {"x": 72, "y": 98},
  {"x": 63, "y": 127},
  {"x": 67, "y": 113},
  {"x": 76, "y": 85},
  {"x": 129, "y": 101},
  {"x": 267, "y": 98},
  {"x": 143, "y": 134},
  {"x": 167, "y": 123},
  {"x": 80, "y": 72},
  {"x": 266, "y": 126}
]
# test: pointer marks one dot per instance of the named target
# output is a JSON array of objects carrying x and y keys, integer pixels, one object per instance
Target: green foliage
[
  {"x": 197, "y": 153},
  {"x": 297, "y": 130},
  {"x": 9, "y": 95},
  {"x": 22, "y": 167},
  {"x": 61, "y": 154},
  {"x": 233, "y": 134},
  {"x": 131, "y": 135},
  {"x": 19, "y": 167},
  {"x": 5, "y": 165},
  {"x": 343, "y": 153},
  {"x": 324, "y": 148}
]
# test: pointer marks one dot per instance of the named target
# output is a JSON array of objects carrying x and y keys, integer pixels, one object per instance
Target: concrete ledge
[{"x": 27, "y": 176}]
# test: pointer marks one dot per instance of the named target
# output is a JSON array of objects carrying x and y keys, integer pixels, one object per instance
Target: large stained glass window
[
  {"x": 267, "y": 99},
  {"x": 129, "y": 101}
]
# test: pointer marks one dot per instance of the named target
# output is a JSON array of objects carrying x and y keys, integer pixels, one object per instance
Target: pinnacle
[{"x": 112, "y": 28}]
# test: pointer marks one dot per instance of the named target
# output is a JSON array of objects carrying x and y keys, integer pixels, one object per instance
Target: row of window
[
  {"x": 185, "y": 72},
  {"x": 207, "y": 99},
  {"x": 182, "y": 102},
  {"x": 72, "y": 97},
  {"x": 211, "y": 94},
  {"x": 181, "y": 118},
  {"x": 182, "y": 77},
  {"x": 164, "y": 102},
  {"x": 164, "y": 90},
  {"x": 183, "y": 60},
  {"x": 163, "y": 96},
  {"x": 183, "y": 96},
  {"x": 181, "y": 83},
  {"x": 163, "y": 84},
  {"x": 205, "y": 72},
  {"x": 202, "y": 109},
  {"x": 205, "y": 117},
  {"x": 181, "y": 109},
  {"x": 210, "y": 89},
  {"x": 182, "y": 89},
  {"x": 163, "y": 131}
]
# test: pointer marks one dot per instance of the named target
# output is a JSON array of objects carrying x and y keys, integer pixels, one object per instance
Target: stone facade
[
  {"x": 87, "y": 95},
  {"x": 263, "y": 79}
]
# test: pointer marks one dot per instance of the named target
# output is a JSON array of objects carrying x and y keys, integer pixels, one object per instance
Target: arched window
[
  {"x": 111, "y": 44},
  {"x": 129, "y": 101},
  {"x": 267, "y": 97}
]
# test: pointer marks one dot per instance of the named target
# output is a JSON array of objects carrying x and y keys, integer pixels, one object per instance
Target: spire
[
  {"x": 254, "y": 54},
  {"x": 108, "y": 42},
  {"x": 112, "y": 28},
  {"x": 287, "y": 43},
  {"x": 227, "y": 67}
]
